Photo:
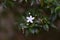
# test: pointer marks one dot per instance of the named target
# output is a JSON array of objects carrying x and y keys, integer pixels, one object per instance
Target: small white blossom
[
  {"x": 27, "y": 24},
  {"x": 29, "y": 13},
  {"x": 30, "y": 19}
]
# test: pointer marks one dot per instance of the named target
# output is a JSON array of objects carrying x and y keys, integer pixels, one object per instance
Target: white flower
[
  {"x": 29, "y": 13},
  {"x": 30, "y": 19}
]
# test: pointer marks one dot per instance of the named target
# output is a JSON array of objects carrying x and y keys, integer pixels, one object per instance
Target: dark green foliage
[{"x": 37, "y": 8}]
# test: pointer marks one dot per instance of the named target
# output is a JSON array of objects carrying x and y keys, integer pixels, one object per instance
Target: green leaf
[
  {"x": 32, "y": 2},
  {"x": 46, "y": 27},
  {"x": 57, "y": 9},
  {"x": 9, "y": 3},
  {"x": 52, "y": 25},
  {"x": 42, "y": 3},
  {"x": 26, "y": 0},
  {"x": 33, "y": 30},
  {"x": 53, "y": 17}
]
